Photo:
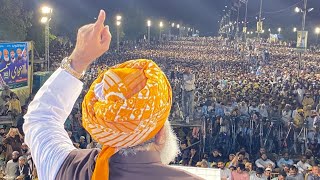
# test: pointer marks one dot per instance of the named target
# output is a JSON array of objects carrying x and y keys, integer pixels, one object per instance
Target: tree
[{"x": 15, "y": 20}]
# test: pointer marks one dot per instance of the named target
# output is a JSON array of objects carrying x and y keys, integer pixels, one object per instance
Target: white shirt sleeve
[{"x": 44, "y": 123}]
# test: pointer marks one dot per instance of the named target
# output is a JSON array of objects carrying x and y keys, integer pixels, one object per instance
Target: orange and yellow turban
[{"x": 125, "y": 106}]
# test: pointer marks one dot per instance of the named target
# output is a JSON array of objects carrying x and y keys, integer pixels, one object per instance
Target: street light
[
  {"x": 294, "y": 29},
  {"x": 161, "y": 26},
  {"x": 118, "y": 18},
  {"x": 297, "y": 9},
  {"x": 178, "y": 26},
  {"x": 118, "y": 24},
  {"x": 44, "y": 20},
  {"x": 279, "y": 30},
  {"x": 46, "y": 11},
  {"x": 149, "y": 26},
  {"x": 172, "y": 25}
]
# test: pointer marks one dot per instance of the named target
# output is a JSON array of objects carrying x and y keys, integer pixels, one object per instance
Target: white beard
[
  {"x": 167, "y": 151},
  {"x": 170, "y": 149}
]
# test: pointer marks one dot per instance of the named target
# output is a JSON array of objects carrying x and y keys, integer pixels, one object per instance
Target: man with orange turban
[{"x": 125, "y": 110}]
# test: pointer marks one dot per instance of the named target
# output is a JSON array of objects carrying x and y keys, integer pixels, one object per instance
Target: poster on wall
[{"x": 14, "y": 61}]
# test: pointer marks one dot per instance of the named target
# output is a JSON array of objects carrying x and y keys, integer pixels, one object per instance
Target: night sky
[{"x": 201, "y": 14}]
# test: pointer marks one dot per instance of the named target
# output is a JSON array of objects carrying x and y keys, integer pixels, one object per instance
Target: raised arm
[{"x": 44, "y": 121}]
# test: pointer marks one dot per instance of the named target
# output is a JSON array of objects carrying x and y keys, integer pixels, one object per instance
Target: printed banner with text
[{"x": 14, "y": 61}]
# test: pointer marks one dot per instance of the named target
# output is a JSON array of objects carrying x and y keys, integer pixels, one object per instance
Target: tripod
[
  {"x": 204, "y": 133},
  {"x": 261, "y": 132},
  {"x": 251, "y": 134},
  {"x": 180, "y": 112},
  {"x": 303, "y": 134},
  {"x": 287, "y": 135},
  {"x": 233, "y": 133},
  {"x": 268, "y": 134}
]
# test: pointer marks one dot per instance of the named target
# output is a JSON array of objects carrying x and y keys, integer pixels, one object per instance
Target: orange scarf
[{"x": 125, "y": 106}]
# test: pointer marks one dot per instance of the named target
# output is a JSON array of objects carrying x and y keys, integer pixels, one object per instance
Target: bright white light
[
  {"x": 294, "y": 29},
  {"x": 148, "y": 23},
  {"x": 297, "y": 9},
  {"x": 118, "y": 18},
  {"x": 279, "y": 29},
  {"x": 172, "y": 24},
  {"x": 178, "y": 26},
  {"x": 118, "y": 23},
  {"x": 161, "y": 24},
  {"x": 317, "y": 30},
  {"x": 44, "y": 20},
  {"x": 269, "y": 30},
  {"x": 310, "y": 9},
  {"x": 251, "y": 32},
  {"x": 46, "y": 10},
  {"x": 262, "y": 31}
]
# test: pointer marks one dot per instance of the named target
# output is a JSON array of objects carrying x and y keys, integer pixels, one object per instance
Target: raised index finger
[{"x": 99, "y": 24}]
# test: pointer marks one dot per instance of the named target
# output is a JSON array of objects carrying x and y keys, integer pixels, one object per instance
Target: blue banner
[{"x": 14, "y": 61}]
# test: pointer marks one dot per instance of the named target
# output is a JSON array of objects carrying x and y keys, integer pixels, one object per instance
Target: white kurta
[{"x": 44, "y": 123}]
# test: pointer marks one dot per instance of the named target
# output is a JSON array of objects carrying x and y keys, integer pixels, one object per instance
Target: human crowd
[{"x": 250, "y": 109}]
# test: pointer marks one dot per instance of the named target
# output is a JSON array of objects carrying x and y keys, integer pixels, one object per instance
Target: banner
[
  {"x": 259, "y": 26},
  {"x": 302, "y": 39},
  {"x": 14, "y": 61},
  {"x": 244, "y": 29}
]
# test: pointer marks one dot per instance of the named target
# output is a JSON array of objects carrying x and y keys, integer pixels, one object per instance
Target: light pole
[
  {"x": 260, "y": 16},
  {"x": 160, "y": 27},
  {"x": 170, "y": 29},
  {"x": 294, "y": 29},
  {"x": 304, "y": 12},
  {"x": 118, "y": 24},
  {"x": 149, "y": 26},
  {"x": 317, "y": 31},
  {"x": 304, "y": 15},
  {"x": 45, "y": 19},
  {"x": 237, "y": 30},
  {"x": 245, "y": 19},
  {"x": 178, "y": 27}
]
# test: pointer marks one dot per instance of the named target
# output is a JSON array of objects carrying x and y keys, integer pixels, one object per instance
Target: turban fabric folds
[{"x": 124, "y": 107}]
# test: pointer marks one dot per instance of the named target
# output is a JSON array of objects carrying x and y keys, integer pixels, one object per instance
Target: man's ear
[{"x": 160, "y": 136}]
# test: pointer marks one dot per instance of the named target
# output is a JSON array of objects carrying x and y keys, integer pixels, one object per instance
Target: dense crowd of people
[{"x": 249, "y": 109}]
